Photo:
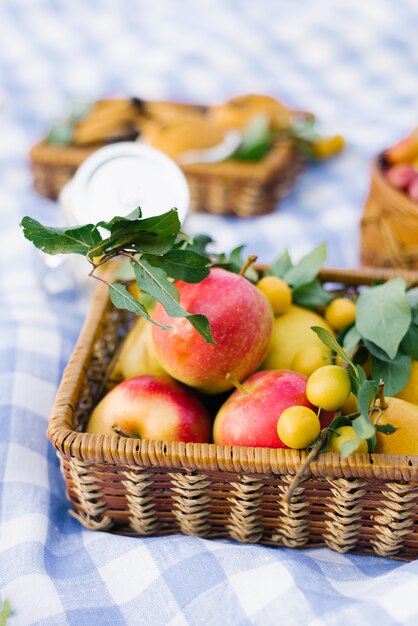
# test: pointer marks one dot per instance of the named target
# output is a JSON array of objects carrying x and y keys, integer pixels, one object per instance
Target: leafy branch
[
  {"x": 307, "y": 290},
  {"x": 368, "y": 392},
  {"x": 155, "y": 248}
]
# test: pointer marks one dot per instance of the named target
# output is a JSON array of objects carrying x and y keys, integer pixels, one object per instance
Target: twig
[
  {"x": 102, "y": 280},
  {"x": 130, "y": 256},
  {"x": 301, "y": 471}
]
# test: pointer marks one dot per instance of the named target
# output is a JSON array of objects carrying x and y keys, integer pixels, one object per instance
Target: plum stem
[
  {"x": 301, "y": 471},
  {"x": 237, "y": 384},
  {"x": 252, "y": 258}
]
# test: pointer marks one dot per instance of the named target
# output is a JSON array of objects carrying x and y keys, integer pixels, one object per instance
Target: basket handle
[{"x": 367, "y": 275}]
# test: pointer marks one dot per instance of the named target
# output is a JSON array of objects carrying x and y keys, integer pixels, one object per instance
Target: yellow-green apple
[
  {"x": 249, "y": 416},
  {"x": 137, "y": 355},
  {"x": 241, "y": 320},
  {"x": 152, "y": 407}
]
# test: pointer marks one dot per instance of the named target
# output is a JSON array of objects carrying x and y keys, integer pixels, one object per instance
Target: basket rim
[
  {"x": 116, "y": 451},
  {"x": 277, "y": 159}
]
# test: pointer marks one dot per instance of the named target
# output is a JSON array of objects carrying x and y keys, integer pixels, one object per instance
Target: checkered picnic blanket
[{"x": 354, "y": 64}]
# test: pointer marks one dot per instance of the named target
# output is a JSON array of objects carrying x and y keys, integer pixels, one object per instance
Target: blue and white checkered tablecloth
[{"x": 355, "y": 64}]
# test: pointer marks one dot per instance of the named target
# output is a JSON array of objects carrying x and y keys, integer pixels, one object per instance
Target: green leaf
[
  {"x": 351, "y": 339},
  {"x": 5, "y": 612},
  {"x": 78, "y": 239},
  {"x": 305, "y": 129},
  {"x": 133, "y": 215},
  {"x": 376, "y": 351},
  {"x": 306, "y": 270},
  {"x": 409, "y": 343},
  {"x": 361, "y": 374},
  {"x": 355, "y": 383},
  {"x": 60, "y": 134},
  {"x": 311, "y": 295},
  {"x": 154, "y": 281},
  {"x": 349, "y": 447},
  {"x": 125, "y": 271},
  {"x": 233, "y": 263},
  {"x": 395, "y": 374},
  {"x": 152, "y": 235},
  {"x": 329, "y": 340},
  {"x": 79, "y": 109},
  {"x": 185, "y": 265},
  {"x": 256, "y": 140},
  {"x": 365, "y": 397},
  {"x": 384, "y": 315},
  {"x": 340, "y": 420},
  {"x": 280, "y": 266},
  {"x": 122, "y": 299},
  {"x": 412, "y": 297},
  {"x": 386, "y": 429},
  {"x": 363, "y": 427},
  {"x": 140, "y": 242},
  {"x": 198, "y": 243},
  {"x": 235, "y": 257},
  {"x": 167, "y": 224}
]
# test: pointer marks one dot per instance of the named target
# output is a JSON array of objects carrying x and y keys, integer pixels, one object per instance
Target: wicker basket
[
  {"x": 227, "y": 187},
  {"x": 389, "y": 226},
  {"x": 367, "y": 503}
]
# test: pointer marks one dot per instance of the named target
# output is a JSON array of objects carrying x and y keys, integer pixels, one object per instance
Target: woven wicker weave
[
  {"x": 227, "y": 187},
  {"x": 389, "y": 226},
  {"x": 367, "y": 503}
]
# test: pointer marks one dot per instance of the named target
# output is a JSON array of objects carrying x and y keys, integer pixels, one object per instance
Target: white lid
[{"x": 116, "y": 179}]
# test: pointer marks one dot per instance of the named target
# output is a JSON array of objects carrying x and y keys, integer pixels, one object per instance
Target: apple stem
[
  {"x": 381, "y": 395},
  {"x": 252, "y": 258},
  {"x": 301, "y": 471},
  {"x": 237, "y": 384},
  {"x": 121, "y": 433}
]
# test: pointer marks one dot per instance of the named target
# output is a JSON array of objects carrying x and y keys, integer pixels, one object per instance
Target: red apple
[
  {"x": 241, "y": 320},
  {"x": 152, "y": 407},
  {"x": 249, "y": 417}
]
